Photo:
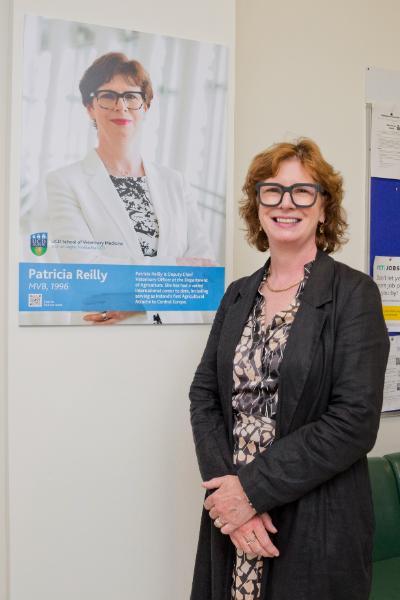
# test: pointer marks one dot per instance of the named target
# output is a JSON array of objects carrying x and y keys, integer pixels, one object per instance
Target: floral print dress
[
  {"x": 256, "y": 369},
  {"x": 135, "y": 194}
]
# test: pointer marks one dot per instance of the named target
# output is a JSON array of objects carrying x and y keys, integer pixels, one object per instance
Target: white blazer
[
  {"x": 89, "y": 222},
  {"x": 85, "y": 208}
]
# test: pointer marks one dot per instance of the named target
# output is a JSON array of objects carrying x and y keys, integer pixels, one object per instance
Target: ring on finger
[
  {"x": 104, "y": 315},
  {"x": 218, "y": 523},
  {"x": 251, "y": 540}
]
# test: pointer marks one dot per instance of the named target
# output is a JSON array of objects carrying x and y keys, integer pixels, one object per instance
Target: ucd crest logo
[{"x": 39, "y": 243}]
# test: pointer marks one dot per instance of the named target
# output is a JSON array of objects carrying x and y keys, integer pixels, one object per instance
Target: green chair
[{"x": 385, "y": 480}]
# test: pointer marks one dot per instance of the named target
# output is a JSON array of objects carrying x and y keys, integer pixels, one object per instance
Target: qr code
[{"x": 35, "y": 300}]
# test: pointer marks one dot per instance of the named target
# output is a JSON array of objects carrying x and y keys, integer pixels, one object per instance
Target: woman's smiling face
[
  {"x": 119, "y": 121},
  {"x": 286, "y": 223}
]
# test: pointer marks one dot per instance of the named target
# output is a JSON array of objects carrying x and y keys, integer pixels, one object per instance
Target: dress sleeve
[
  {"x": 209, "y": 430},
  {"x": 316, "y": 452}
]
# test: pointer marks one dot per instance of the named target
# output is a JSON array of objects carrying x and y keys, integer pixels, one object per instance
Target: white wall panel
[{"x": 105, "y": 494}]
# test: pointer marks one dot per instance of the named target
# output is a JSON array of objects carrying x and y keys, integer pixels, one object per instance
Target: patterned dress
[
  {"x": 256, "y": 368},
  {"x": 134, "y": 193}
]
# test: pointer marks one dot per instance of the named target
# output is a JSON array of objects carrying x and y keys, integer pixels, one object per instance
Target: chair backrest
[
  {"x": 394, "y": 460},
  {"x": 386, "y": 498}
]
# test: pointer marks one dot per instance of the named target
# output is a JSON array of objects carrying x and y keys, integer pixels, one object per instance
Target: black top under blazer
[{"x": 313, "y": 480}]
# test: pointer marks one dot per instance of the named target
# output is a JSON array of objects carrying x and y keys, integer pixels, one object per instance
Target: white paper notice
[
  {"x": 385, "y": 141},
  {"x": 387, "y": 278},
  {"x": 391, "y": 391}
]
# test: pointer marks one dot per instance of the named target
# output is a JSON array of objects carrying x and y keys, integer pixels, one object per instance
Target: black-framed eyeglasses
[
  {"x": 303, "y": 195},
  {"x": 108, "y": 99}
]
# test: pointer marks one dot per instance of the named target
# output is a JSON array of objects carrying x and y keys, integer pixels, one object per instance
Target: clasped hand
[{"x": 235, "y": 516}]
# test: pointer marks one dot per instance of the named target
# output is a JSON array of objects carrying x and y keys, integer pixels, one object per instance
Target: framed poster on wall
[{"x": 123, "y": 176}]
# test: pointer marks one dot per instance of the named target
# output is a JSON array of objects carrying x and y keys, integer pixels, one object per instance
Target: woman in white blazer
[{"x": 112, "y": 206}]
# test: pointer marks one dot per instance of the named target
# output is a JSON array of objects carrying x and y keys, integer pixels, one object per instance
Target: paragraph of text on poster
[{"x": 93, "y": 287}]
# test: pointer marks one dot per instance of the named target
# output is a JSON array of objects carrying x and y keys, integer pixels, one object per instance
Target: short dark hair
[
  {"x": 267, "y": 163},
  {"x": 108, "y": 66}
]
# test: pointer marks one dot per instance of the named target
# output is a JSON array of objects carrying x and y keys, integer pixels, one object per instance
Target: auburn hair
[
  {"x": 266, "y": 164},
  {"x": 108, "y": 66}
]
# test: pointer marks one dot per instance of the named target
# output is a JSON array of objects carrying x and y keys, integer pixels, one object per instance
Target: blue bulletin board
[
  {"x": 382, "y": 87},
  {"x": 383, "y": 168},
  {"x": 384, "y": 225},
  {"x": 384, "y": 241}
]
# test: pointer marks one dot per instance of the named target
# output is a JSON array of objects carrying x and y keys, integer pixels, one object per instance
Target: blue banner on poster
[{"x": 100, "y": 287}]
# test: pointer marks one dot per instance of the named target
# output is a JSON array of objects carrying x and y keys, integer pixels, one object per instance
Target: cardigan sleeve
[
  {"x": 307, "y": 457},
  {"x": 209, "y": 430}
]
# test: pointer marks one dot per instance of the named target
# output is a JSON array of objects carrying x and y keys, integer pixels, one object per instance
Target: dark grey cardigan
[{"x": 314, "y": 478}]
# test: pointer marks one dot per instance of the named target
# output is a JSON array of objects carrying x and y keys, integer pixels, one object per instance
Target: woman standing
[
  {"x": 286, "y": 401},
  {"x": 113, "y": 206}
]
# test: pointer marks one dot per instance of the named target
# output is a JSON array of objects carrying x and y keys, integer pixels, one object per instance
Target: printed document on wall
[
  {"x": 387, "y": 277},
  {"x": 391, "y": 392},
  {"x": 385, "y": 141}
]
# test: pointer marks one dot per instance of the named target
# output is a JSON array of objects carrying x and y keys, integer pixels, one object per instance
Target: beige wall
[
  {"x": 300, "y": 71},
  {"x": 79, "y": 527},
  {"x": 5, "y": 56},
  {"x": 105, "y": 495}
]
